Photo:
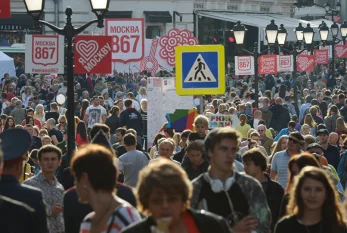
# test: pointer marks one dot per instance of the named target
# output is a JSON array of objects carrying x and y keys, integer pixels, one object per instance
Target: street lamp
[
  {"x": 282, "y": 35},
  {"x": 332, "y": 12},
  {"x": 271, "y": 31},
  {"x": 343, "y": 29},
  {"x": 35, "y": 9},
  {"x": 239, "y": 31},
  {"x": 299, "y": 32},
  {"x": 308, "y": 34},
  {"x": 324, "y": 32}
]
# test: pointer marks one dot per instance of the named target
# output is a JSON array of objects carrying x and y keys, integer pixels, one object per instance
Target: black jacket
[
  {"x": 113, "y": 123},
  {"x": 132, "y": 119},
  {"x": 10, "y": 187},
  {"x": 274, "y": 195},
  {"x": 17, "y": 217},
  {"x": 280, "y": 117},
  {"x": 206, "y": 222},
  {"x": 191, "y": 172}
]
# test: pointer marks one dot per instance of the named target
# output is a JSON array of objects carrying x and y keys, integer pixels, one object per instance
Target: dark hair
[
  {"x": 292, "y": 124},
  {"x": 257, "y": 156},
  {"x": 33, "y": 154},
  {"x": 218, "y": 134},
  {"x": 48, "y": 149},
  {"x": 114, "y": 110},
  {"x": 89, "y": 160},
  {"x": 82, "y": 130},
  {"x": 129, "y": 139},
  {"x": 27, "y": 120},
  {"x": 95, "y": 129},
  {"x": 186, "y": 133},
  {"x": 29, "y": 110},
  {"x": 85, "y": 105},
  {"x": 195, "y": 145},
  {"x": 157, "y": 138},
  {"x": 121, "y": 131},
  {"x": 7, "y": 125},
  {"x": 128, "y": 102}
]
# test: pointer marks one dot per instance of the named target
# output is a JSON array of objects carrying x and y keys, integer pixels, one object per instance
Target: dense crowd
[{"x": 282, "y": 169}]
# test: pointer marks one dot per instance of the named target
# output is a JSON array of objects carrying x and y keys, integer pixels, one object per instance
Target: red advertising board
[
  {"x": 267, "y": 64},
  {"x": 5, "y": 9},
  {"x": 305, "y": 63},
  {"x": 321, "y": 56},
  {"x": 93, "y": 54},
  {"x": 341, "y": 51}
]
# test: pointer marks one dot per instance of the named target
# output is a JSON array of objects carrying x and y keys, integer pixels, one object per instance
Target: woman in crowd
[
  {"x": 313, "y": 205},
  {"x": 142, "y": 94},
  {"x": 112, "y": 121},
  {"x": 30, "y": 120},
  {"x": 155, "y": 146},
  {"x": 310, "y": 122},
  {"x": 62, "y": 124},
  {"x": 340, "y": 126},
  {"x": 39, "y": 113},
  {"x": 163, "y": 192},
  {"x": 306, "y": 129},
  {"x": 81, "y": 134},
  {"x": 10, "y": 123},
  {"x": 96, "y": 187},
  {"x": 85, "y": 105},
  {"x": 281, "y": 144},
  {"x": 26, "y": 96},
  {"x": 330, "y": 119},
  {"x": 107, "y": 99}
]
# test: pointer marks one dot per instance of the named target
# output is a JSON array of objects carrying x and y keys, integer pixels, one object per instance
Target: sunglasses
[
  {"x": 62, "y": 122},
  {"x": 293, "y": 140},
  {"x": 260, "y": 130}
]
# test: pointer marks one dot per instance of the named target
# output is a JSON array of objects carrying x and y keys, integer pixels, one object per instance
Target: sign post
[
  {"x": 200, "y": 70},
  {"x": 128, "y": 39},
  {"x": 93, "y": 54},
  {"x": 44, "y": 54}
]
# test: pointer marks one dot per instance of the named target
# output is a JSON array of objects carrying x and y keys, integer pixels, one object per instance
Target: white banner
[
  {"x": 128, "y": 39},
  {"x": 327, "y": 47},
  {"x": 244, "y": 65},
  {"x": 44, "y": 54},
  {"x": 285, "y": 63}
]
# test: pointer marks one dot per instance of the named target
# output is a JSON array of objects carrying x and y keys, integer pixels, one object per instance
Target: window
[{"x": 153, "y": 32}]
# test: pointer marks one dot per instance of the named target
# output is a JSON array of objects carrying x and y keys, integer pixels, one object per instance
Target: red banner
[
  {"x": 305, "y": 63},
  {"x": 5, "y": 9},
  {"x": 321, "y": 56},
  {"x": 267, "y": 64},
  {"x": 341, "y": 51},
  {"x": 93, "y": 54}
]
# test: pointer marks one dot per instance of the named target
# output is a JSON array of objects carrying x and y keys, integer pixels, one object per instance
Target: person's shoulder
[
  {"x": 286, "y": 221},
  {"x": 32, "y": 181},
  {"x": 198, "y": 180},
  {"x": 15, "y": 204},
  {"x": 246, "y": 179}
]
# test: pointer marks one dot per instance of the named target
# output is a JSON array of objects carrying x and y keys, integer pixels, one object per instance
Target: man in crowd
[
  {"x": 9, "y": 109},
  {"x": 255, "y": 165},
  {"x": 330, "y": 152},
  {"x": 36, "y": 141},
  {"x": 95, "y": 113},
  {"x": 267, "y": 114},
  {"x": 49, "y": 158},
  {"x": 238, "y": 198},
  {"x": 279, "y": 165},
  {"x": 56, "y": 135},
  {"x": 280, "y": 115},
  {"x": 131, "y": 163},
  {"x": 14, "y": 155},
  {"x": 19, "y": 112},
  {"x": 286, "y": 131},
  {"x": 30, "y": 113},
  {"x": 131, "y": 118}
]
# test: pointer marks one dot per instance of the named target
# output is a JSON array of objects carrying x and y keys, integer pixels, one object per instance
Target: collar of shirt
[{"x": 42, "y": 178}]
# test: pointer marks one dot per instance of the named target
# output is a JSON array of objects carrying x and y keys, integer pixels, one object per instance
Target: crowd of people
[{"x": 283, "y": 168}]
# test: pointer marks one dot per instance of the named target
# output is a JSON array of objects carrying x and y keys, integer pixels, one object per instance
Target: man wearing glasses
[
  {"x": 264, "y": 140},
  {"x": 279, "y": 166}
]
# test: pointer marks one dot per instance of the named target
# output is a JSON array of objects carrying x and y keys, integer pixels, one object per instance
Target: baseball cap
[
  {"x": 9, "y": 143},
  {"x": 322, "y": 131},
  {"x": 314, "y": 145}
]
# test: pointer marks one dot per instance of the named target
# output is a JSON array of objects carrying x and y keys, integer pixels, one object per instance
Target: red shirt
[{"x": 36, "y": 122}]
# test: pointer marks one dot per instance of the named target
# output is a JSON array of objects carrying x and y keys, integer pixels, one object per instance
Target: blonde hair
[
  {"x": 143, "y": 91},
  {"x": 309, "y": 120},
  {"x": 201, "y": 120},
  {"x": 177, "y": 138},
  {"x": 340, "y": 124}
]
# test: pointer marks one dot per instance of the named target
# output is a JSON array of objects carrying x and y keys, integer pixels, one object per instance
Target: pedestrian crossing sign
[{"x": 200, "y": 70}]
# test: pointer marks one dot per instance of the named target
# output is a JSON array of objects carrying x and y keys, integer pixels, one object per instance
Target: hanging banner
[
  {"x": 328, "y": 48},
  {"x": 341, "y": 51},
  {"x": 44, "y": 54},
  {"x": 128, "y": 39},
  {"x": 285, "y": 63},
  {"x": 93, "y": 54},
  {"x": 267, "y": 64},
  {"x": 217, "y": 121},
  {"x": 5, "y": 9},
  {"x": 321, "y": 56},
  {"x": 244, "y": 65},
  {"x": 305, "y": 63}
]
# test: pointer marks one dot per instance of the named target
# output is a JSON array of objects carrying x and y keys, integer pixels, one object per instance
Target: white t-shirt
[
  {"x": 95, "y": 115},
  {"x": 136, "y": 105}
]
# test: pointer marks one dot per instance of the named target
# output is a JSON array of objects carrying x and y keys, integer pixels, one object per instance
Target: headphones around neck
[{"x": 217, "y": 185}]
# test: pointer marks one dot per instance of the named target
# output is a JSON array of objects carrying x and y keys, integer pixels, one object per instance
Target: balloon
[{"x": 60, "y": 99}]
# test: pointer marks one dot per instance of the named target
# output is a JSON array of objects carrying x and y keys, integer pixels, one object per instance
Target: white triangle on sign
[{"x": 200, "y": 72}]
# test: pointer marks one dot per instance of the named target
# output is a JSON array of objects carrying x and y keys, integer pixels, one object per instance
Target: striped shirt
[
  {"x": 280, "y": 166},
  {"x": 122, "y": 216}
]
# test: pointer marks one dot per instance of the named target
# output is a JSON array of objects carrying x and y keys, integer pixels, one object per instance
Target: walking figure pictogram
[{"x": 199, "y": 69}]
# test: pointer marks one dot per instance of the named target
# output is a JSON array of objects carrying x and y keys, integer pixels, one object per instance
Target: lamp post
[
  {"x": 35, "y": 9},
  {"x": 271, "y": 31}
]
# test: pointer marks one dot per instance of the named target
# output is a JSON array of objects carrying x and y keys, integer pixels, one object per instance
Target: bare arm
[
  {"x": 273, "y": 175},
  {"x": 55, "y": 140}
]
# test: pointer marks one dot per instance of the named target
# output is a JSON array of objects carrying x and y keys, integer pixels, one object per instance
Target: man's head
[
  {"x": 129, "y": 141},
  {"x": 296, "y": 142},
  {"x": 97, "y": 127},
  {"x": 50, "y": 123},
  {"x": 49, "y": 158},
  {"x": 266, "y": 102},
  {"x": 258, "y": 115},
  {"x": 128, "y": 103},
  {"x": 96, "y": 101},
  {"x": 29, "y": 128},
  {"x": 166, "y": 148},
  {"x": 254, "y": 162},
  {"x": 195, "y": 151},
  {"x": 30, "y": 112},
  {"x": 221, "y": 146},
  {"x": 291, "y": 126},
  {"x": 255, "y": 136},
  {"x": 262, "y": 130},
  {"x": 323, "y": 136},
  {"x": 120, "y": 132},
  {"x": 19, "y": 104},
  {"x": 315, "y": 148},
  {"x": 130, "y": 95},
  {"x": 201, "y": 125},
  {"x": 333, "y": 138}
]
